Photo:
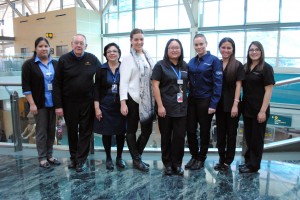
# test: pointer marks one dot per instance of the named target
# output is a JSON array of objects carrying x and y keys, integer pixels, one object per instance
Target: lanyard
[
  {"x": 114, "y": 76},
  {"x": 177, "y": 74}
]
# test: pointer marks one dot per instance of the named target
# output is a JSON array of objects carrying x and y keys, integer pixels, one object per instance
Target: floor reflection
[{"x": 22, "y": 178}]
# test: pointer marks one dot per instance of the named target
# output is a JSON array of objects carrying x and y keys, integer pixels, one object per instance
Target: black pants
[
  {"x": 172, "y": 130},
  {"x": 136, "y": 147},
  {"x": 198, "y": 113},
  {"x": 226, "y": 136},
  {"x": 254, "y": 133},
  {"x": 79, "y": 117}
]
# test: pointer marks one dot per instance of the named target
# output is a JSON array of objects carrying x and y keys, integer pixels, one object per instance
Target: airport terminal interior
[{"x": 275, "y": 23}]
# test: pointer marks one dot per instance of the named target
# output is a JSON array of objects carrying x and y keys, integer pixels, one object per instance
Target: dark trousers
[
  {"x": 254, "y": 134},
  {"x": 172, "y": 130},
  {"x": 226, "y": 136},
  {"x": 107, "y": 143},
  {"x": 45, "y": 132},
  {"x": 136, "y": 147},
  {"x": 79, "y": 117},
  {"x": 198, "y": 113}
]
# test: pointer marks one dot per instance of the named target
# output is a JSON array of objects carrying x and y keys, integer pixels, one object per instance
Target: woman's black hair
[
  {"x": 232, "y": 64},
  {"x": 166, "y": 59},
  {"x": 261, "y": 62},
  {"x": 36, "y": 43},
  {"x": 110, "y": 45}
]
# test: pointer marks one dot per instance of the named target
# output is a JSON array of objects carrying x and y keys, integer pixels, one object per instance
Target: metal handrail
[{"x": 287, "y": 81}]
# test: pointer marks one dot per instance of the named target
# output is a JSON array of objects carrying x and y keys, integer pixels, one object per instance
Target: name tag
[
  {"x": 50, "y": 87},
  {"x": 114, "y": 88},
  {"x": 179, "y": 81}
]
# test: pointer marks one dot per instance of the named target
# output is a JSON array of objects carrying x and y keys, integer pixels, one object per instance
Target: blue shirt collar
[{"x": 37, "y": 59}]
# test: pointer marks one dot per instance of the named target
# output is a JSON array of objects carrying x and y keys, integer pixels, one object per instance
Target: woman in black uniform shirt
[
  {"x": 257, "y": 91},
  {"x": 228, "y": 110},
  {"x": 169, "y": 81}
]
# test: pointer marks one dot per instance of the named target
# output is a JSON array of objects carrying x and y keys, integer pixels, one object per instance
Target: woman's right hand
[
  {"x": 98, "y": 113},
  {"x": 33, "y": 109},
  {"x": 124, "y": 108},
  {"x": 161, "y": 111}
]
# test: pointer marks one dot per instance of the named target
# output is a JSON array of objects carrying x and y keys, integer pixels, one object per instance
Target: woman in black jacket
[{"x": 37, "y": 77}]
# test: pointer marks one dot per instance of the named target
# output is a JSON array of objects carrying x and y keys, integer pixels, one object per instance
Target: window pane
[
  {"x": 257, "y": 11},
  {"x": 144, "y": 4},
  {"x": 289, "y": 43},
  {"x": 290, "y": 12},
  {"x": 167, "y": 2},
  {"x": 169, "y": 16},
  {"x": 124, "y": 43},
  {"x": 150, "y": 46},
  {"x": 210, "y": 14},
  {"x": 267, "y": 38},
  {"x": 231, "y": 12},
  {"x": 145, "y": 15},
  {"x": 184, "y": 21},
  {"x": 186, "y": 45},
  {"x": 161, "y": 44},
  {"x": 125, "y": 5},
  {"x": 113, "y": 23},
  {"x": 212, "y": 43},
  {"x": 289, "y": 62},
  {"x": 125, "y": 22}
]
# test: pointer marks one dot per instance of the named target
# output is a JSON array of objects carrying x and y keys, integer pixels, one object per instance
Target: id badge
[
  {"x": 50, "y": 87},
  {"x": 179, "y": 81},
  {"x": 179, "y": 97},
  {"x": 114, "y": 88}
]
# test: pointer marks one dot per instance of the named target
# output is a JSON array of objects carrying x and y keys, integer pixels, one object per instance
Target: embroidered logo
[{"x": 87, "y": 63}]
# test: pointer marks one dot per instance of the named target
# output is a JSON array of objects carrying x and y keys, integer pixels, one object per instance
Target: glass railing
[{"x": 284, "y": 123}]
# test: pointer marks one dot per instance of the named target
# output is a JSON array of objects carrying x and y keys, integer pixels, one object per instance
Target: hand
[
  {"x": 211, "y": 111},
  {"x": 98, "y": 113},
  {"x": 161, "y": 111},
  {"x": 59, "y": 112},
  {"x": 33, "y": 109},
  {"x": 261, "y": 117},
  {"x": 234, "y": 111},
  {"x": 124, "y": 109}
]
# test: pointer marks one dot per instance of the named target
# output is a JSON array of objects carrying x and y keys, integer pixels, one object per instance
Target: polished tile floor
[{"x": 22, "y": 178}]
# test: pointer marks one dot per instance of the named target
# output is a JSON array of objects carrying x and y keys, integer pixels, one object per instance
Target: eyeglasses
[
  {"x": 79, "y": 43},
  {"x": 254, "y": 50},
  {"x": 174, "y": 48},
  {"x": 113, "y": 51}
]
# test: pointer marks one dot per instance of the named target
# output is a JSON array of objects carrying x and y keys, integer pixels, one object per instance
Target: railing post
[{"x": 14, "y": 100}]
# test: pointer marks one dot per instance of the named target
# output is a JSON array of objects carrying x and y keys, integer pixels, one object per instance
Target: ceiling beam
[{"x": 13, "y": 8}]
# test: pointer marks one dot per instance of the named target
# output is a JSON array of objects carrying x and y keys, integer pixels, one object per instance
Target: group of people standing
[{"x": 112, "y": 98}]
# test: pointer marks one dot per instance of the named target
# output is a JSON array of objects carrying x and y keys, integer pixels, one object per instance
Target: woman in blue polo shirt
[
  {"x": 257, "y": 92},
  {"x": 169, "y": 82},
  {"x": 37, "y": 77},
  {"x": 205, "y": 82}
]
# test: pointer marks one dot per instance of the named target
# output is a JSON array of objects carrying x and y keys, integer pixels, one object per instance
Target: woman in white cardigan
[{"x": 136, "y": 97}]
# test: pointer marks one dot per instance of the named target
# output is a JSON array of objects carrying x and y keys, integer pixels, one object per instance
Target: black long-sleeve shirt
[{"x": 74, "y": 78}]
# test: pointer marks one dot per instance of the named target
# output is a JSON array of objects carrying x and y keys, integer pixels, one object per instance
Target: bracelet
[{"x": 236, "y": 100}]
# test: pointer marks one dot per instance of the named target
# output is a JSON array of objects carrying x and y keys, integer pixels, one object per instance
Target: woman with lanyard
[
  {"x": 136, "y": 97},
  {"x": 109, "y": 120},
  {"x": 37, "y": 77},
  {"x": 169, "y": 81}
]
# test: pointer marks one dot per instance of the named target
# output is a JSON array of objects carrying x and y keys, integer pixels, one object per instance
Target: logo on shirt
[
  {"x": 218, "y": 73},
  {"x": 87, "y": 63}
]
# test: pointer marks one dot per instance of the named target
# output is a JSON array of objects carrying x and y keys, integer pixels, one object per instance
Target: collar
[{"x": 37, "y": 59}]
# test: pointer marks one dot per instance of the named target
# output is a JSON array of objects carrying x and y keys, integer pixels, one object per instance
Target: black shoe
[
  {"x": 138, "y": 164},
  {"x": 247, "y": 170},
  {"x": 53, "y": 161},
  {"x": 242, "y": 165},
  {"x": 80, "y": 167},
  {"x": 120, "y": 162},
  {"x": 72, "y": 165},
  {"x": 178, "y": 171},
  {"x": 218, "y": 166},
  {"x": 45, "y": 165},
  {"x": 168, "y": 171},
  {"x": 190, "y": 163},
  {"x": 225, "y": 167},
  {"x": 109, "y": 164},
  {"x": 146, "y": 164},
  {"x": 198, "y": 164}
]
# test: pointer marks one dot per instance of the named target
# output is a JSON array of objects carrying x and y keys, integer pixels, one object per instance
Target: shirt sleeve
[
  {"x": 125, "y": 74},
  {"x": 157, "y": 72},
  {"x": 268, "y": 75},
  {"x": 240, "y": 72},
  {"x": 57, "y": 85},
  {"x": 26, "y": 77},
  {"x": 217, "y": 81},
  {"x": 97, "y": 85}
]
